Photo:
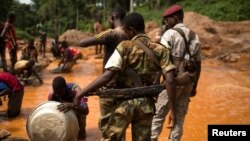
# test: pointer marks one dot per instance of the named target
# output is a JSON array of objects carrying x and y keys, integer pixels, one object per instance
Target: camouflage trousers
[
  {"x": 139, "y": 112},
  {"x": 162, "y": 109},
  {"x": 106, "y": 107}
]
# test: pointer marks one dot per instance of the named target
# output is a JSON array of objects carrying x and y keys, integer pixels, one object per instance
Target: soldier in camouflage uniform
[
  {"x": 137, "y": 111},
  {"x": 173, "y": 18}
]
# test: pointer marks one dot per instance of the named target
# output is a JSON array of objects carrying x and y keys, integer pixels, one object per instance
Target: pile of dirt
[
  {"x": 226, "y": 41},
  {"x": 151, "y": 25},
  {"x": 73, "y": 36},
  {"x": 219, "y": 37}
]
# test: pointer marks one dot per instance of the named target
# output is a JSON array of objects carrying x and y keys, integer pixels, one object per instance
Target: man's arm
[
  {"x": 82, "y": 108},
  {"x": 33, "y": 55},
  {"x": 64, "y": 58},
  {"x": 170, "y": 87},
  {"x": 64, "y": 63},
  {"x": 89, "y": 42},
  {"x": 97, "y": 83},
  {"x": 61, "y": 61},
  {"x": 198, "y": 72},
  {"x": 24, "y": 54},
  {"x": 4, "y": 89},
  {"x": 5, "y": 92}
]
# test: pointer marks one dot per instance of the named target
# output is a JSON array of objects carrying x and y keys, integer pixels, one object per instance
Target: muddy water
[{"x": 223, "y": 98}]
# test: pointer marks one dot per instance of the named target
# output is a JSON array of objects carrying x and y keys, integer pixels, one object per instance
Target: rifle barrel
[{"x": 129, "y": 92}]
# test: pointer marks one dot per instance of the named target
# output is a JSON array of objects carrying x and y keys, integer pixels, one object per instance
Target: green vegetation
[
  {"x": 153, "y": 15},
  {"x": 22, "y": 34},
  {"x": 86, "y": 25},
  {"x": 221, "y": 10},
  {"x": 80, "y": 14}
]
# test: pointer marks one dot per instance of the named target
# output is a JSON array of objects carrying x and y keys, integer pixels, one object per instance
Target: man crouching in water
[{"x": 65, "y": 93}]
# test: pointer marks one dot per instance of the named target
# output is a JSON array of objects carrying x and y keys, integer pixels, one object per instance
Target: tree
[
  {"x": 131, "y": 9},
  {"x": 5, "y": 6}
]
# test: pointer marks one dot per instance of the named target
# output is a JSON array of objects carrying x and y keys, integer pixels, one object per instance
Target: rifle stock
[{"x": 129, "y": 92}]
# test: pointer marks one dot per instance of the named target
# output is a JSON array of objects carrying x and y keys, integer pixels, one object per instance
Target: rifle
[
  {"x": 153, "y": 90},
  {"x": 126, "y": 93}
]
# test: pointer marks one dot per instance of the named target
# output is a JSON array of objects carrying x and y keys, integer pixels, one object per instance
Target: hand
[
  {"x": 193, "y": 93},
  {"x": 76, "y": 101},
  {"x": 64, "y": 107},
  {"x": 171, "y": 120}
]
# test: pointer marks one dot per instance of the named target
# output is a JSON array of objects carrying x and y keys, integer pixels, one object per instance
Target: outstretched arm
[
  {"x": 64, "y": 58},
  {"x": 61, "y": 61},
  {"x": 97, "y": 83},
  {"x": 89, "y": 42}
]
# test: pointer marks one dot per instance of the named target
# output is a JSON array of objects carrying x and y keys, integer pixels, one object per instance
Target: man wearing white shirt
[{"x": 183, "y": 48}]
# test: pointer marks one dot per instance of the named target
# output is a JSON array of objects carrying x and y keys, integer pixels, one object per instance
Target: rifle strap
[
  {"x": 148, "y": 52},
  {"x": 191, "y": 36},
  {"x": 134, "y": 76},
  {"x": 153, "y": 57}
]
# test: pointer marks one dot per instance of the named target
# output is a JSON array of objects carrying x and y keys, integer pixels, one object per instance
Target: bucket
[{"x": 47, "y": 123}]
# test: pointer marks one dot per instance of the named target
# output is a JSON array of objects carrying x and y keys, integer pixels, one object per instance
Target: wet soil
[
  {"x": 223, "y": 95},
  {"x": 222, "y": 98}
]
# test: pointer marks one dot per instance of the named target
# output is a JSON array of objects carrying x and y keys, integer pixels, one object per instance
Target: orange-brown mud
[
  {"x": 223, "y": 95},
  {"x": 222, "y": 98},
  {"x": 83, "y": 73}
]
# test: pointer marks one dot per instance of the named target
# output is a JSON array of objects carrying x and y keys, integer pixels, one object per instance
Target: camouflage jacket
[{"x": 129, "y": 54}]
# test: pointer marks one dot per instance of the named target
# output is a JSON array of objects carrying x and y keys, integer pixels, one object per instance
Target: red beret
[{"x": 172, "y": 10}]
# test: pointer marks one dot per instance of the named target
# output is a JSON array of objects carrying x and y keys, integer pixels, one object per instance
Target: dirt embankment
[
  {"x": 228, "y": 42},
  {"x": 73, "y": 37}
]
